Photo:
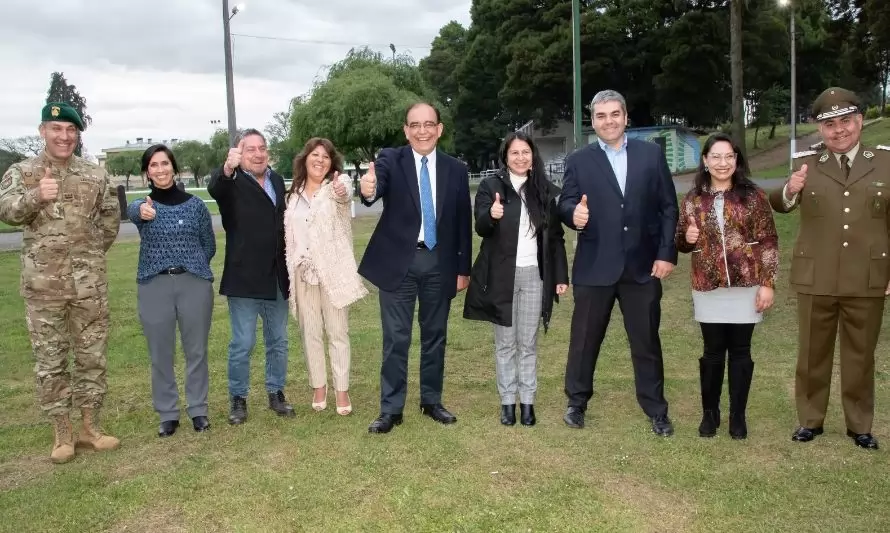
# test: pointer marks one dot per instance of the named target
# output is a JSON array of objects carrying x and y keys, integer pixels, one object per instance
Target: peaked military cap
[
  {"x": 61, "y": 112},
  {"x": 835, "y": 102}
]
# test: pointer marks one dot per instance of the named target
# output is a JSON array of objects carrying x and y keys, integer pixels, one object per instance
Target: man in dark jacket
[{"x": 251, "y": 201}]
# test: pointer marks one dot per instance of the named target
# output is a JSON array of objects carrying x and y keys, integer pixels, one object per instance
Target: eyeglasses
[
  {"x": 729, "y": 158},
  {"x": 428, "y": 125}
]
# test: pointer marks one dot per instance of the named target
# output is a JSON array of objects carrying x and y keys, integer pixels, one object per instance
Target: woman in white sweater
[{"x": 324, "y": 278}]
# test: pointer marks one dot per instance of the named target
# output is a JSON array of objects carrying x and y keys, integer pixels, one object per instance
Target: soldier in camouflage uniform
[{"x": 70, "y": 217}]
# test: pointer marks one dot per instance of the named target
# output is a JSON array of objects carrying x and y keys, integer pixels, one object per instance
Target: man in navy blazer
[
  {"x": 419, "y": 251},
  {"x": 619, "y": 195}
]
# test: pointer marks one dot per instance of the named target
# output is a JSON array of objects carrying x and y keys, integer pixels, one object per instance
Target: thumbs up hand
[
  {"x": 497, "y": 208},
  {"x": 48, "y": 187},
  {"x": 339, "y": 187},
  {"x": 582, "y": 214},
  {"x": 369, "y": 183},
  {"x": 233, "y": 159},
  {"x": 147, "y": 210},
  {"x": 692, "y": 231},
  {"x": 797, "y": 181}
]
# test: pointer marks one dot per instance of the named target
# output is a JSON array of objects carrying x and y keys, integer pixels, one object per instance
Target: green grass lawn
[{"x": 322, "y": 472}]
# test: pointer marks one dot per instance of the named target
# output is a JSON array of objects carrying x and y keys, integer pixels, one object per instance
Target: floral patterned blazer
[{"x": 745, "y": 254}]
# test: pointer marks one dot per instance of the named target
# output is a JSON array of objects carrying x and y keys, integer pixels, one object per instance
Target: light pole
[
  {"x": 793, "y": 134},
  {"x": 576, "y": 69},
  {"x": 230, "y": 89}
]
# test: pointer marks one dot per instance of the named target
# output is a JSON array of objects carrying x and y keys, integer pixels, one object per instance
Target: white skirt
[{"x": 733, "y": 305}]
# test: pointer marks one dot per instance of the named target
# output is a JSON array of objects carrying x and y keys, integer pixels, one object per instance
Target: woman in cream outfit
[{"x": 321, "y": 263}]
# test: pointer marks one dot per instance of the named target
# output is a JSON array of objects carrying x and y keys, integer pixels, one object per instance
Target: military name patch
[{"x": 6, "y": 183}]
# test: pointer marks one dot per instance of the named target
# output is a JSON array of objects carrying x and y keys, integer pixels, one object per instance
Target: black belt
[{"x": 174, "y": 271}]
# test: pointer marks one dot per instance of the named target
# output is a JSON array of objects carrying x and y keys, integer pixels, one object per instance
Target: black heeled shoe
[
  {"x": 527, "y": 414},
  {"x": 508, "y": 415}
]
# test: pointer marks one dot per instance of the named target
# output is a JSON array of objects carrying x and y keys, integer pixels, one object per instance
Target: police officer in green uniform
[
  {"x": 70, "y": 217},
  {"x": 839, "y": 266}
]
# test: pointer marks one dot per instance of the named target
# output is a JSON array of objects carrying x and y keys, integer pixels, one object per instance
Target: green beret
[
  {"x": 835, "y": 102},
  {"x": 60, "y": 112}
]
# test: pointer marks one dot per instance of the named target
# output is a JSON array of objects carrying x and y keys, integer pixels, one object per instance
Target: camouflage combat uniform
[{"x": 63, "y": 278}]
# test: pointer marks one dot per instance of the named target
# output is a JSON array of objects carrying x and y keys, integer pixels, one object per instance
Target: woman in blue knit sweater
[{"x": 175, "y": 286}]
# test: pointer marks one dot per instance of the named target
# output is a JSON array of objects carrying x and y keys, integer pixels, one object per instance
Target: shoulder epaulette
[
  {"x": 882, "y": 147},
  {"x": 805, "y": 153}
]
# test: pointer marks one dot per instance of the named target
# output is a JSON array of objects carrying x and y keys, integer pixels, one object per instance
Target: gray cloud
[{"x": 155, "y": 69}]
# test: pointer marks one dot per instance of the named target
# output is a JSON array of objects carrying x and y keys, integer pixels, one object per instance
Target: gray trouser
[
  {"x": 164, "y": 302},
  {"x": 515, "y": 347}
]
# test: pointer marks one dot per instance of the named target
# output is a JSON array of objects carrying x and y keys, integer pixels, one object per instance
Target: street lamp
[
  {"x": 230, "y": 89},
  {"x": 790, "y": 5},
  {"x": 576, "y": 71}
]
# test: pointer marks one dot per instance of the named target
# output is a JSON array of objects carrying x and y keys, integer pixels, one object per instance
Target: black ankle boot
[
  {"x": 278, "y": 403},
  {"x": 527, "y": 414},
  {"x": 238, "y": 414},
  {"x": 740, "y": 374},
  {"x": 711, "y": 377},
  {"x": 508, "y": 415}
]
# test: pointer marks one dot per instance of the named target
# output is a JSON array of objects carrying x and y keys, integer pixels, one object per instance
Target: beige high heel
[
  {"x": 322, "y": 405},
  {"x": 346, "y": 409}
]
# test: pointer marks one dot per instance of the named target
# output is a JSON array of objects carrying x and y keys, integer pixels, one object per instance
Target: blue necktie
[{"x": 426, "y": 206}]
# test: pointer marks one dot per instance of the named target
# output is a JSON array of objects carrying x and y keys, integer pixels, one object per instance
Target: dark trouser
[
  {"x": 424, "y": 284},
  {"x": 164, "y": 302},
  {"x": 640, "y": 305},
  {"x": 720, "y": 339},
  {"x": 860, "y": 324}
]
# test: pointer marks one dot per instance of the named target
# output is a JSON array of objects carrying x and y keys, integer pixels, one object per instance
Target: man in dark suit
[
  {"x": 251, "y": 203},
  {"x": 625, "y": 248},
  {"x": 420, "y": 250}
]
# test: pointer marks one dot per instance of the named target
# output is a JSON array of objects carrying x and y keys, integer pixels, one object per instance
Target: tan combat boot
[
  {"x": 63, "y": 448},
  {"x": 91, "y": 436}
]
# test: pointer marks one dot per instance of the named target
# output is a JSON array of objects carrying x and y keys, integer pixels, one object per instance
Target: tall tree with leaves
[
  {"x": 196, "y": 157},
  {"x": 736, "y": 68},
  {"x": 124, "y": 164},
  {"x": 878, "y": 13},
  {"x": 61, "y": 91}
]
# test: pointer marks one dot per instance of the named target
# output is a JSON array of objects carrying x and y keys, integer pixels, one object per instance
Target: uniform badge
[
  {"x": 68, "y": 196},
  {"x": 868, "y": 155},
  {"x": 54, "y": 111},
  {"x": 834, "y": 108},
  {"x": 878, "y": 183},
  {"x": 28, "y": 174},
  {"x": 6, "y": 183},
  {"x": 824, "y": 157}
]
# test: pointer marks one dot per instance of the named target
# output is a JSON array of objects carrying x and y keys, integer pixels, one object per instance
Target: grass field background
[{"x": 323, "y": 472}]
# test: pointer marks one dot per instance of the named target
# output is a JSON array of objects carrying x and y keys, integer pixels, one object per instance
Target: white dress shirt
[{"x": 431, "y": 167}]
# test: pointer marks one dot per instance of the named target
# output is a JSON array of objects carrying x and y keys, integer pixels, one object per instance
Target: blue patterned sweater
[{"x": 179, "y": 236}]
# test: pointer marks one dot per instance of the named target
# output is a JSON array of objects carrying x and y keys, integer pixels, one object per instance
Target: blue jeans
[{"x": 243, "y": 313}]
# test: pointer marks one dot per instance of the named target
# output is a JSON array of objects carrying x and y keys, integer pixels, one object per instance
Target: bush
[{"x": 872, "y": 113}]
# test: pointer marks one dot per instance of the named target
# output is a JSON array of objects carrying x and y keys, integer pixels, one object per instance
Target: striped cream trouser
[
  {"x": 515, "y": 347},
  {"x": 317, "y": 318}
]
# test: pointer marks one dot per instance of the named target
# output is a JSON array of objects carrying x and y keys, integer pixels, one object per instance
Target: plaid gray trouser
[{"x": 515, "y": 347}]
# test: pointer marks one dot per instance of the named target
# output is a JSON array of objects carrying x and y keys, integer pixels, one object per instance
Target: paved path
[{"x": 13, "y": 241}]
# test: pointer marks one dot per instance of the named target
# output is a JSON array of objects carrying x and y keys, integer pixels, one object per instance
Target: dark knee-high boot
[
  {"x": 740, "y": 374},
  {"x": 711, "y": 376}
]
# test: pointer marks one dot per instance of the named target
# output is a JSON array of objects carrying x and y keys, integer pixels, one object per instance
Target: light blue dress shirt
[{"x": 618, "y": 161}]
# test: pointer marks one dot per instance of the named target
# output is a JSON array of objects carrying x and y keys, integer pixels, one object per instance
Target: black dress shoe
[
  {"x": 803, "y": 434},
  {"x": 201, "y": 423},
  {"x": 508, "y": 415},
  {"x": 238, "y": 413},
  {"x": 574, "y": 417},
  {"x": 168, "y": 428},
  {"x": 661, "y": 425},
  {"x": 384, "y": 423},
  {"x": 863, "y": 440},
  {"x": 278, "y": 403},
  {"x": 438, "y": 413},
  {"x": 527, "y": 414}
]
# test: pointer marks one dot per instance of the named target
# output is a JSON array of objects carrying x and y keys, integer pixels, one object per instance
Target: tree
[
  {"x": 124, "y": 164},
  {"x": 281, "y": 148},
  {"x": 27, "y": 146},
  {"x": 196, "y": 157},
  {"x": 770, "y": 108},
  {"x": 60, "y": 91},
  {"x": 7, "y": 159},
  {"x": 737, "y": 73},
  {"x": 878, "y": 13},
  {"x": 360, "y": 106},
  {"x": 439, "y": 69}
]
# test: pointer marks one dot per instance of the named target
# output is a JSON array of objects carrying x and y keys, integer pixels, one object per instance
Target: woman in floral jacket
[{"x": 726, "y": 224}]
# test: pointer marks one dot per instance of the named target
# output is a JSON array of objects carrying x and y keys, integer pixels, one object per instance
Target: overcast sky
[{"x": 155, "y": 69}]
